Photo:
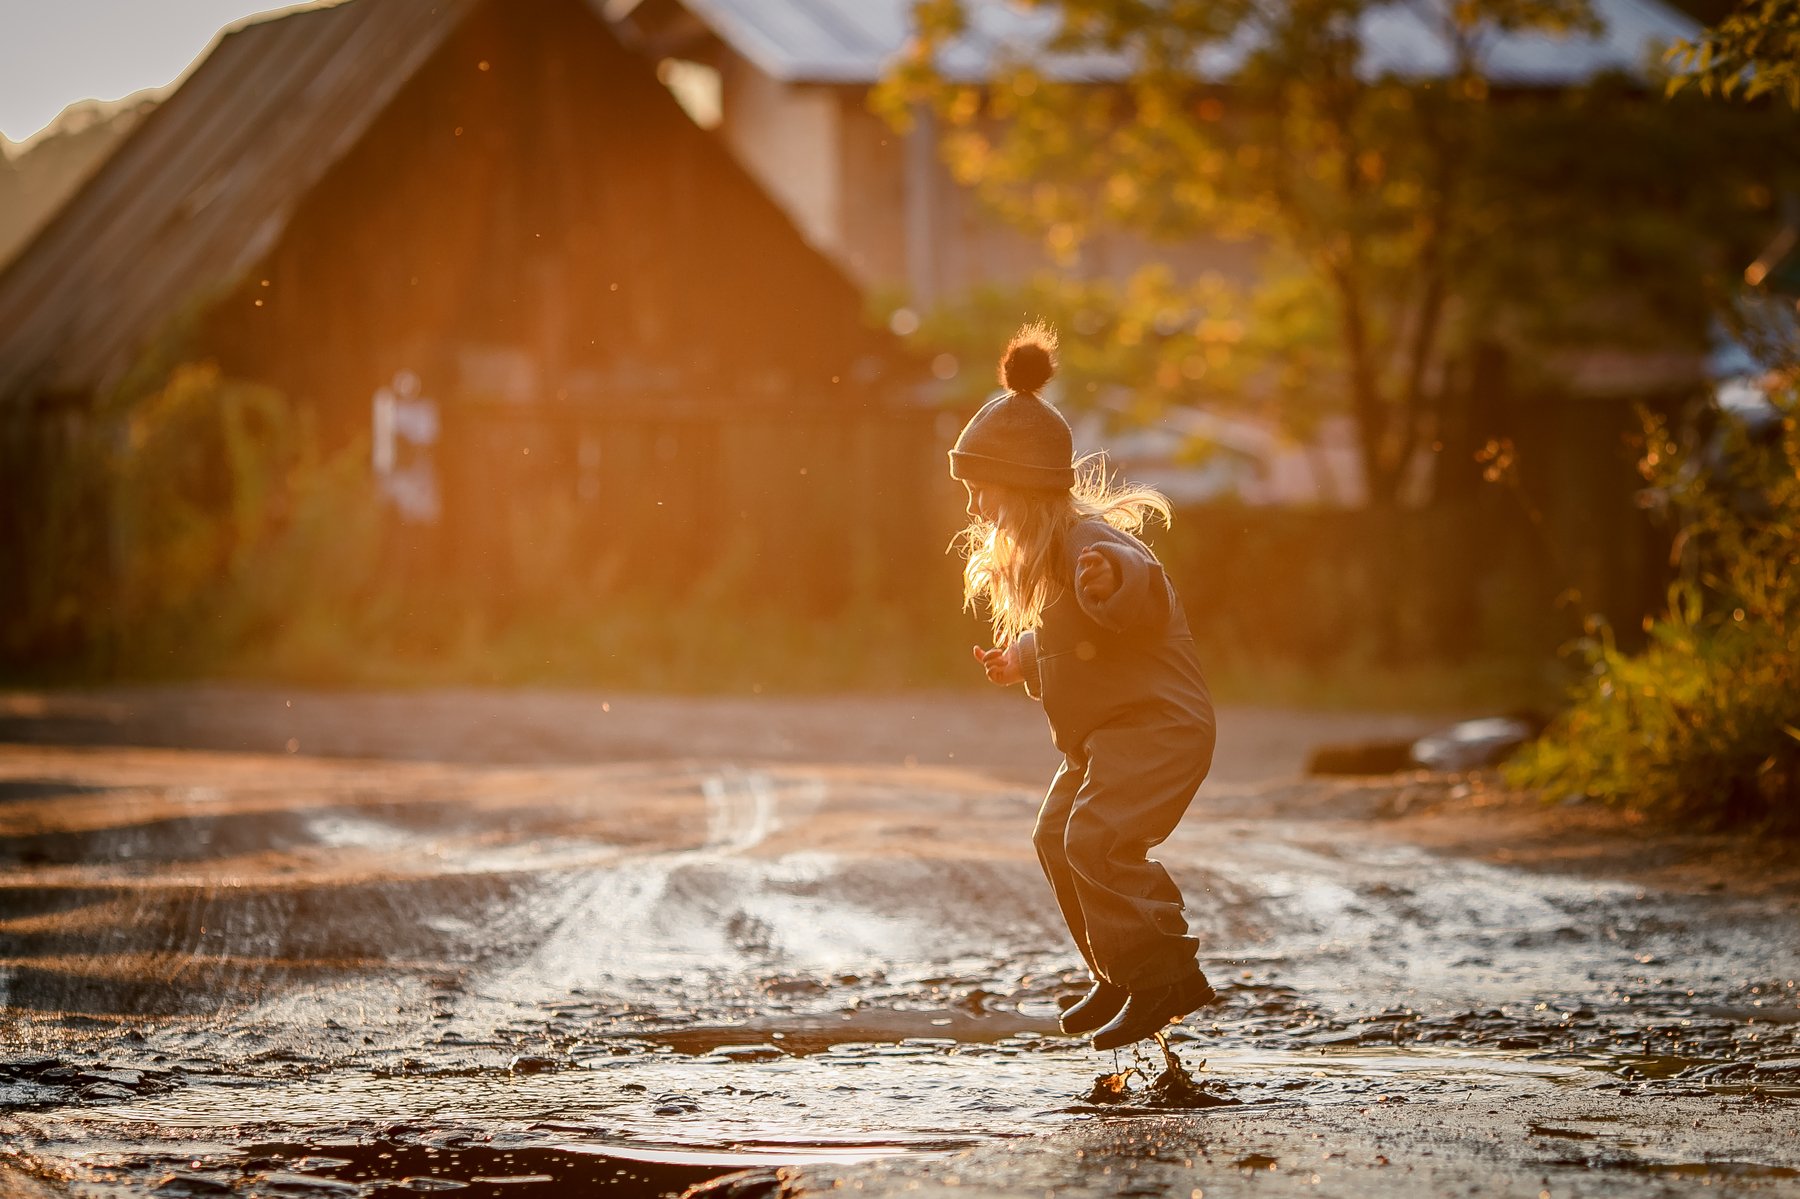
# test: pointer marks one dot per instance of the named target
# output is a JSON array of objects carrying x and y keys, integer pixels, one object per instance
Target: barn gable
[
  {"x": 296, "y": 124},
  {"x": 633, "y": 354},
  {"x": 205, "y": 186}
]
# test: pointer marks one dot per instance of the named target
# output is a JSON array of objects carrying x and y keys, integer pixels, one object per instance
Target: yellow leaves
[
  {"x": 1154, "y": 108},
  {"x": 1219, "y": 331},
  {"x": 1195, "y": 195},
  {"x": 1217, "y": 337},
  {"x": 1497, "y": 459},
  {"x": 964, "y": 106},
  {"x": 1748, "y": 54},
  {"x": 191, "y": 389},
  {"x": 1404, "y": 194},
  {"x": 909, "y": 82},
  {"x": 969, "y": 155},
  {"x": 1122, "y": 191},
  {"x": 939, "y": 20}
]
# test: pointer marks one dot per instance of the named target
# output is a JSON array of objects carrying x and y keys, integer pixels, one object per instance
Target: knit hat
[{"x": 1019, "y": 440}]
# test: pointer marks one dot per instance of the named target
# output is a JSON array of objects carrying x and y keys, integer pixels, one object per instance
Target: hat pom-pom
[{"x": 1030, "y": 359}]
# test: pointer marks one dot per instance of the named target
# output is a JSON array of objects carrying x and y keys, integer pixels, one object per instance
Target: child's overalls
[{"x": 1130, "y": 711}]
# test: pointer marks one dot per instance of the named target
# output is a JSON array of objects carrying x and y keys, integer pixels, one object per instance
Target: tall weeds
[
  {"x": 206, "y": 531},
  {"x": 1704, "y": 724},
  {"x": 169, "y": 539}
]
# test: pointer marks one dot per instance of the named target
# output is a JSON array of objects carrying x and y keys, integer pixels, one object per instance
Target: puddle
[
  {"x": 392, "y": 1169},
  {"x": 1173, "y": 1088},
  {"x": 621, "y": 984},
  {"x": 658, "y": 1119},
  {"x": 902, "y": 1094},
  {"x": 25, "y": 789},
  {"x": 807, "y": 1036},
  {"x": 1710, "y": 1170}
]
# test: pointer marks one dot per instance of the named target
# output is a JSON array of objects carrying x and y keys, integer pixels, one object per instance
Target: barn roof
[
  {"x": 851, "y": 41},
  {"x": 205, "y": 186}
]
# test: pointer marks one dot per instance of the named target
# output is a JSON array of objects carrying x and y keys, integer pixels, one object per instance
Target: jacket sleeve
[
  {"x": 1028, "y": 665},
  {"x": 1142, "y": 600}
]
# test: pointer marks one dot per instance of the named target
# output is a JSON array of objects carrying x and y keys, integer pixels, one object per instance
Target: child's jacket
[
  {"x": 1129, "y": 709},
  {"x": 1129, "y": 661}
]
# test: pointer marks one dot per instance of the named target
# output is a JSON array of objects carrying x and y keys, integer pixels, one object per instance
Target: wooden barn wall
[
  {"x": 752, "y": 507},
  {"x": 538, "y": 231},
  {"x": 684, "y": 433},
  {"x": 558, "y": 202},
  {"x": 53, "y": 528}
]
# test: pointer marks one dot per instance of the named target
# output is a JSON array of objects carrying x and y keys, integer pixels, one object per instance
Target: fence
[{"x": 551, "y": 511}]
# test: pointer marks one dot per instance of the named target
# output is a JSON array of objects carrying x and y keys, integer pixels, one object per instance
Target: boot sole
[{"x": 1183, "y": 1005}]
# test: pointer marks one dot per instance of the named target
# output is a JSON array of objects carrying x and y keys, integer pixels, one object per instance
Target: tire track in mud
[
  {"x": 658, "y": 926},
  {"x": 861, "y": 960},
  {"x": 674, "y": 931},
  {"x": 635, "y": 928},
  {"x": 1360, "y": 923}
]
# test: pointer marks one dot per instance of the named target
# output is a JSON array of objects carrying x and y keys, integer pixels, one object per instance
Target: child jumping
[{"x": 1085, "y": 619}]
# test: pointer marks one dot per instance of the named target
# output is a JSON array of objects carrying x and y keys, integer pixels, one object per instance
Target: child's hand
[
  {"x": 1096, "y": 578},
  {"x": 1001, "y": 664}
]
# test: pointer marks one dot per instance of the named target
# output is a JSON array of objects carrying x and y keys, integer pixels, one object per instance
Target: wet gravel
[
  {"x": 591, "y": 1096},
  {"x": 638, "y": 978}
]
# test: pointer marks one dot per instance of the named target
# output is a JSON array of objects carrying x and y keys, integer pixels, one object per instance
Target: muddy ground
[{"x": 256, "y": 942}]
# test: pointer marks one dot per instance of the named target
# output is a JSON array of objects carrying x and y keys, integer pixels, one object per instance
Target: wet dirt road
[{"x": 278, "y": 974}]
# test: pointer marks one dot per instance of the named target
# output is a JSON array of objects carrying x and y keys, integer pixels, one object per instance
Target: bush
[
  {"x": 167, "y": 539},
  {"x": 1704, "y": 723},
  {"x": 203, "y": 531}
]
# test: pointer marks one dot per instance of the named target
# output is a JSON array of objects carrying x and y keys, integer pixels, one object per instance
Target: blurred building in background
[
  {"x": 38, "y": 175},
  {"x": 501, "y": 204},
  {"x": 786, "y": 83},
  {"x": 602, "y": 281}
]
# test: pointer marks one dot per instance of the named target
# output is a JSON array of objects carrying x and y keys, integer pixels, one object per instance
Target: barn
[{"x": 482, "y": 234}]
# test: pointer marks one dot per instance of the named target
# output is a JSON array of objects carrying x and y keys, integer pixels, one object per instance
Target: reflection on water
[
  {"x": 660, "y": 1117},
  {"x": 631, "y": 981},
  {"x": 386, "y": 1169},
  {"x": 901, "y": 1095}
]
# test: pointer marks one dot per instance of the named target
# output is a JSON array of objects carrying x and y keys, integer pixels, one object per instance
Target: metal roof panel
[
  {"x": 851, "y": 41},
  {"x": 205, "y": 185}
]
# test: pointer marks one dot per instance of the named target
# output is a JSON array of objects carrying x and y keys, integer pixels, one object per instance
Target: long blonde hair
[{"x": 1017, "y": 563}]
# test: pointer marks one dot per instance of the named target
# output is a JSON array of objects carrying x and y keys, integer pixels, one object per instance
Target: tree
[
  {"x": 1703, "y": 723},
  {"x": 1753, "y": 52},
  {"x": 1400, "y": 216},
  {"x": 1354, "y": 183}
]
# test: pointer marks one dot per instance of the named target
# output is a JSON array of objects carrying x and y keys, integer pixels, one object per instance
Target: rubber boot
[
  {"x": 1148, "y": 1012},
  {"x": 1100, "y": 1004}
]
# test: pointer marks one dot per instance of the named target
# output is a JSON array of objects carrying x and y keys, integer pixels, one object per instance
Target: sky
[{"x": 55, "y": 52}]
